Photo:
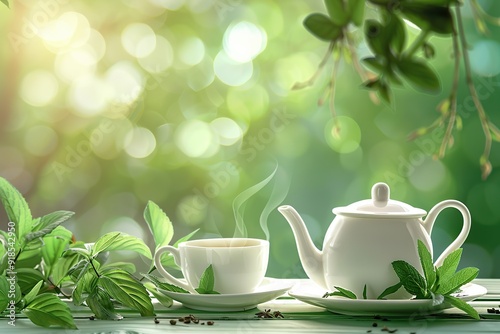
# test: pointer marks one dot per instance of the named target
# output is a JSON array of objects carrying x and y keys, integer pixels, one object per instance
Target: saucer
[
  {"x": 309, "y": 292},
  {"x": 269, "y": 289}
]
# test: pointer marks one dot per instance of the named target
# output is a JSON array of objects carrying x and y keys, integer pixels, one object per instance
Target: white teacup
[{"x": 239, "y": 264}]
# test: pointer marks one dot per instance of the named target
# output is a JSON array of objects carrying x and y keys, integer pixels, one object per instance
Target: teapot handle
[{"x": 431, "y": 218}]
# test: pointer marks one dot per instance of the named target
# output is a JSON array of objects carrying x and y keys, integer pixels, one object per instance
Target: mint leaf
[
  {"x": 364, "y": 292},
  {"x": 159, "y": 224},
  {"x": 449, "y": 266},
  {"x": 99, "y": 302},
  {"x": 460, "y": 278},
  {"x": 27, "y": 278},
  {"x": 390, "y": 290},
  {"x": 55, "y": 243},
  {"x": 121, "y": 241},
  {"x": 4, "y": 293},
  {"x": 127, "y": 266},
  {"x": 86, "y": 283},
  {"x": 16, "y": 208},
  {"x": 48, "y": 310},
  {"x": 6, "y": 2},
  {"x": 161, "y": 284},
  {"x": 123, "y": 287},
  {"x": 104, "y": 242},
  {"x": 460, "y": 304},
  {"x": 30, "y": 296},
  {"x": 411, "y": 279},
  {"x": 47, "y": 224},
  {"x": 341, "y": 292},
  {"x": 427, "y": 264},
  {"x": 207, "y": 282},
  {"x": 160, "y": 296}
]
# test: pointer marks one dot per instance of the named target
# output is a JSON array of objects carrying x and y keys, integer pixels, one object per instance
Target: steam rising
[{"x": 279, "y": 192}]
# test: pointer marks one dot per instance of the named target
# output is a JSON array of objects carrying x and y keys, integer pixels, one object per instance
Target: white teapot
[{"x": 366, "y": 237}]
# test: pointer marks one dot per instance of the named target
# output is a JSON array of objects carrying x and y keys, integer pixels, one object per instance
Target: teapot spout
[{"x": 310, "y": 257}]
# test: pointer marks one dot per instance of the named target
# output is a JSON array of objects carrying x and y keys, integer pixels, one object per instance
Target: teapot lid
[{"x": 380, "y": 205}]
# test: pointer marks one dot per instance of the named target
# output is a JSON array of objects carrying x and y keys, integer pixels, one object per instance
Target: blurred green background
[{"x": 106, "y": 105}]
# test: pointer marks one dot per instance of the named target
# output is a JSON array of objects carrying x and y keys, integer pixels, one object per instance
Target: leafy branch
[
  {"x": 395, "y": 61},
  {"x": 46, "y": 262},
  {"x": 439, "y": 284}
]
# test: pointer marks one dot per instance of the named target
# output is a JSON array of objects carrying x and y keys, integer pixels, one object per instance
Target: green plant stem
[
  {"x": 58, "y": 290},
  {"x": 417, "y": 43},
  {"x": 363, "y": 74},
  {"x": 480, "y": 13},
  {"x": 453, "y": 96},
  {"x": 321, "y": 66},
  {"x": 17, "y": 255},
  {"x": 93, "y": 267},
  {"x": 149, "y": 272},
  {"x": 332, "y": 86},
  {"x": 477, "y": 103}
]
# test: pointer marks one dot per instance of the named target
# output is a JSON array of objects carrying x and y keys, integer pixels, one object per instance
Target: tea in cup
[{"x": 239, "y": 264}]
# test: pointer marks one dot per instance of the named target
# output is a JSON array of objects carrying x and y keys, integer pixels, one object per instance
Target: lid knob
[{"x": 380, "y": 194}]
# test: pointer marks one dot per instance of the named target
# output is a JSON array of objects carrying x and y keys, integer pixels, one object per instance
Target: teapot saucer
[
  {"x": 310, "y": 293},
  {"x": 269, "y": 289}
]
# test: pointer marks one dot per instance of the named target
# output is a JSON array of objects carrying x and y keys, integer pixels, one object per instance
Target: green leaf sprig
[
  {"x": 207, "y": 282},
  {"x": 439, "y": 284},
  {"x": 48, "y": 262},
  {"x": 205, "y": 286}
]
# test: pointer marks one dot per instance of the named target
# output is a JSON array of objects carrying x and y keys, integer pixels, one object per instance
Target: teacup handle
[
  {"x": 431, "y": 218},
  {"x": 175, "y": 253}
]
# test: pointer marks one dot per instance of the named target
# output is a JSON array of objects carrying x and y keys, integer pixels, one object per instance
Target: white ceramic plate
[
  {"x": 310, "y": 293},
  {"x": 269, "y": 289}
]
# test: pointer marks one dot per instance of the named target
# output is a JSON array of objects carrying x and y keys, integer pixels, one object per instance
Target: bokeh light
[
  {"x": 231, "y": 72},
  {"x": 484, "y": 57},
  {"x": 192, "y": 51},
  {"x": 243, "y": 41},
  {"x": 248, "y": 104},
  {"x": 39, "y": 88},
  {"x": 160, "y": 59},
  {"x": 89, "y": 95},
  {"x": 70, "y": 30},
  {"x": 228, "y": 130},
  {"x": 201, "y": 75},
  {"x": 138, "y": 39},
  {"x": 168, "y": 4},
  {"x": 196, "y": 139},
  {"x": 429, "y": 176},
  {"x": 140, "y": 143},
  {"x": 343, "y": 134},
  {"x": 124, "y": 82},
  {"x": 73, "y": 64}
]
